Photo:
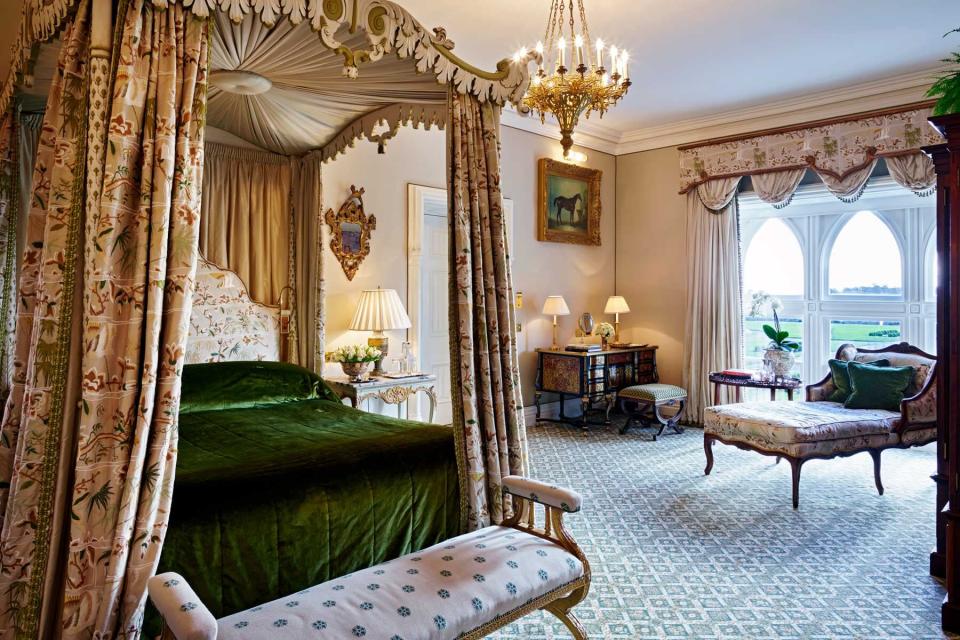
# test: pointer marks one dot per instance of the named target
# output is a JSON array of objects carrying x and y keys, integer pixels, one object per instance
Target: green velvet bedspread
[{"x": 293, "y": 488}]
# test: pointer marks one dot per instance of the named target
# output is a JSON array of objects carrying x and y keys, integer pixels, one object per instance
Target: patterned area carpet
[{"x": 676, "y": 554}]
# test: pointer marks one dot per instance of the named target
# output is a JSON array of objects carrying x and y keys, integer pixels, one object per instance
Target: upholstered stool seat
[{"x": 643, "y": 403}]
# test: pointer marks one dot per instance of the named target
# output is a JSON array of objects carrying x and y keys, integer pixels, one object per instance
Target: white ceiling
[
  {"x": 691, "y": 58},
  {"x": 699, "y": 62}
]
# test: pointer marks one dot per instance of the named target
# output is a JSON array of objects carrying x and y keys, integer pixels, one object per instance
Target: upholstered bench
[
  {"x": 466, "y": 587},
  {"x": 821, "y": 428},
  {"x": 643, "y": 402}
]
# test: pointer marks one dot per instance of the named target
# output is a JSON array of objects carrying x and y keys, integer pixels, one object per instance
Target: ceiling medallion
[
  {"x": 588, "y": 86},
  {"x": 243, "y": 83}
]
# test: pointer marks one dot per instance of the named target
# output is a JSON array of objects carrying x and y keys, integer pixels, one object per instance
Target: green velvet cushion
[
  {"x": 841, "y": 378},
  {"x": 239, "y": 385},
  {"x": 877, "y": 387}
]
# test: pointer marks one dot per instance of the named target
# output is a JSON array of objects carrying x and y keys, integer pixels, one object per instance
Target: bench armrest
[
  {"x": 921, "y": 408},
  {"x": 820, "y": 391},
  {"x": 545, "y": 494},
  {"x": 183, "y": 613}
]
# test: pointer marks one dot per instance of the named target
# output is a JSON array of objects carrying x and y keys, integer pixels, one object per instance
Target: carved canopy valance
[
  {"x": 389, "y": 28},
  {"x": 836, "y": 150}
]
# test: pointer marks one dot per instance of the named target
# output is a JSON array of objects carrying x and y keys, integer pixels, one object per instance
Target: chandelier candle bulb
[
  {"x": 599, "y": 54},
  {"x": 578, "y": 44},
  {"x": 562, "y": 46}
]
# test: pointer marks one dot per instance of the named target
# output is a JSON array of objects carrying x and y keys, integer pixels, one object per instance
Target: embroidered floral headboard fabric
[{"x": 225, "y": 324}]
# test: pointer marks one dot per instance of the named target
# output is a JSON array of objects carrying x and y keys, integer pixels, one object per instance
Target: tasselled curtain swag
[
  {"x": 714, "y": 332},
  {"x": 89, "y": 429},
  {"x": 488, "y": 417},
  {"x": 843, "y": 153}
]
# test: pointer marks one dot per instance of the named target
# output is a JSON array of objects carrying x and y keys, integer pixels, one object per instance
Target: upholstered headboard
[{"x": 226, "y": 324}]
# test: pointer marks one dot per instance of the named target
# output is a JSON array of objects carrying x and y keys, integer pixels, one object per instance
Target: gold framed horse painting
[{"x": 569, "y": 203}]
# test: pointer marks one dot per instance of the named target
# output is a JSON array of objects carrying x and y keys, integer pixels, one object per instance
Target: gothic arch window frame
[
  {"x": 816, "y": 217},
  {"x": 836, "y": 228}
]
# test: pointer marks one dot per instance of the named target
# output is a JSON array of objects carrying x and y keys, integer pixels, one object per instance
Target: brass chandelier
[{"x": 571, "y": 79}]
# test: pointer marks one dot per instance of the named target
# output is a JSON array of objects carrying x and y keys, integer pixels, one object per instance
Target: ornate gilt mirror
[{"x": 350, "y": 230}]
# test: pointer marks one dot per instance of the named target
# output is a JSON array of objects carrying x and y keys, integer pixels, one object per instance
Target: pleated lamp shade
[
  {"x": 380, "y": 310},
  {"x": 555, "y": 306},
  {"x": 616, "y": 304}
]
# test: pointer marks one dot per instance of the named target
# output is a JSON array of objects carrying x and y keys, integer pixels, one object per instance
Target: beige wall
[
  {"x": 583, "y": 275},
  {"x": 651, "y": 254}
]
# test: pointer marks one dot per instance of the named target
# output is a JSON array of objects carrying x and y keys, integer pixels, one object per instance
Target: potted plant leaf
[
  {"x": 779, "y": 354},
  {"x": 947, "y": 86}
]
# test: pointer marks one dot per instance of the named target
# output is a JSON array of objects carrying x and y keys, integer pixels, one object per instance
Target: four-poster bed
[{"x": 115, "y": 217}]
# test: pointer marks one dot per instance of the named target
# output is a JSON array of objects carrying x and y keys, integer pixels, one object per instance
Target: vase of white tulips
[
  {"x": 605, "y": 331},
  {"x": 356, "y": 360}
]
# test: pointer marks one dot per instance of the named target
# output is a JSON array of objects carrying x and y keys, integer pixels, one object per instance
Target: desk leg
[
  {"x": 611, "y": 398},
  {"x": 536, "y": 400},
  {"x": 716, "y": 393},
  {"x": 584, "y": 407}
]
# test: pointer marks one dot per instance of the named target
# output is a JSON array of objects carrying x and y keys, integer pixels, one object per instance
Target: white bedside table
[{"x": 388, "y": 390}]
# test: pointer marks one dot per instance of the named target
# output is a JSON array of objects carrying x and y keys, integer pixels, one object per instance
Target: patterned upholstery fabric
[
  {"x": 791, "y": 422},
  {"x": 653, "y": 392},
  {"x": 225, "y": 324},
  {"x": 565, "y": 499},
  {"x": 439, "y": 593}
]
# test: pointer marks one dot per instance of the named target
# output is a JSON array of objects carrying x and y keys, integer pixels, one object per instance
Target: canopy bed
[{"x": 114, "y": 301}]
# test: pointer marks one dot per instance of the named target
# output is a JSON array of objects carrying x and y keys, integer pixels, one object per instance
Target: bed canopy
[{"x": 111, "y": 226}]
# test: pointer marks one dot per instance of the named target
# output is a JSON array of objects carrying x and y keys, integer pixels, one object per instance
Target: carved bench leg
[
  {"x": 708, "y": 449},
  {"x": 875, "y": 454},
  {"x": 795, "y": 464},
  {"x": 562, "y": 609}
]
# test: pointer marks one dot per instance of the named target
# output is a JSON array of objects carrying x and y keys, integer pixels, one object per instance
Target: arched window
[
  {"x": 930, "y": 269},
  {"x": 773, "y": 262},
  {"x": 865, "y": 259}
]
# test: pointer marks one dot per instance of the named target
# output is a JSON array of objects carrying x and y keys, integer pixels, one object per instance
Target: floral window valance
[
  {"x": 842, "y": 152},
  {"x": 388, "y": 26}
]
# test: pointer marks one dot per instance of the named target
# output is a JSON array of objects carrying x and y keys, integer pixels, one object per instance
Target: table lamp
[
  {"x": 379, "y": 310},
  {"x": 555, "y": 306},
  {"x": 616, "y": 305}
]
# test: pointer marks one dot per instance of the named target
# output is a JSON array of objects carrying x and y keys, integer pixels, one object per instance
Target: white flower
[{"x": 604, "y": 330}]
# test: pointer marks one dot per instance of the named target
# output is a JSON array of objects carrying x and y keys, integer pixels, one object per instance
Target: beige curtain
[
  {"x": 777, "y": 188},
  {"x": 714, "y": 332},
  {"x": 89, "y": 431},
  {"x": 307, "y": 227},
  {"x": 487, "y": 411},
  {"x": 18, "y": 149},
  {"x": 245, "y": 219},
  {"x": 913, "y": 171},
  {"x": 847, "y": 187}
]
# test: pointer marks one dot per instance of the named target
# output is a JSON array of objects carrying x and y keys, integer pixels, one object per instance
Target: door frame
[{"x": 416, "y": 194}]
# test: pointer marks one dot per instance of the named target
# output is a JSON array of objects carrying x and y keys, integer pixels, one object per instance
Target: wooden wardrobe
[{"x": 945, "y": 559}]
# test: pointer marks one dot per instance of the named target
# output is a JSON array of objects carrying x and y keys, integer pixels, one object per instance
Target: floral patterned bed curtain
[
  {"x": 487, "y": 413},
  {"x": 89, "y": 434},
  {"x": 9, "y": 223}
]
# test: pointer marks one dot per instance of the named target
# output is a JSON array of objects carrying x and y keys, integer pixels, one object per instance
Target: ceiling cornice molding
[
  {"x": 587, "y": 134},
  {"x": 866, "y": 96}
]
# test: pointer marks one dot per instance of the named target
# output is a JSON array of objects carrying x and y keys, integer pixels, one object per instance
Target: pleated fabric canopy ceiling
[{"x": 293, "y": 76}]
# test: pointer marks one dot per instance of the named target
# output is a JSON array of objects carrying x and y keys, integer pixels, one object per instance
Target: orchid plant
[
  {"x": 763, "y": 303},
  {"x": 356, "y": 353}
]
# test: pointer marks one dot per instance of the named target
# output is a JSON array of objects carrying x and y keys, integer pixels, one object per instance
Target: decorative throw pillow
[
  {"x": 841, "y": 379},
  {"x": 877, "y": 387}
]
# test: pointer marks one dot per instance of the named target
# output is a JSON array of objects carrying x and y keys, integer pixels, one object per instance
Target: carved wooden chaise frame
[{"x": 905, "y": 424}]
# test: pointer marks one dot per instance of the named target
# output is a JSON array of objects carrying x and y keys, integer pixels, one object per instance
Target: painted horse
[{"x": 566, "y": 204}]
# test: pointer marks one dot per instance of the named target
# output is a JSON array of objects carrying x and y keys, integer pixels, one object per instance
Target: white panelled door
[{"x": 433, "y": 329}]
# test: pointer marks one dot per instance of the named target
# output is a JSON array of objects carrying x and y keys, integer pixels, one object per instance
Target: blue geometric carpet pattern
[{"x": 676, "y": 554}]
